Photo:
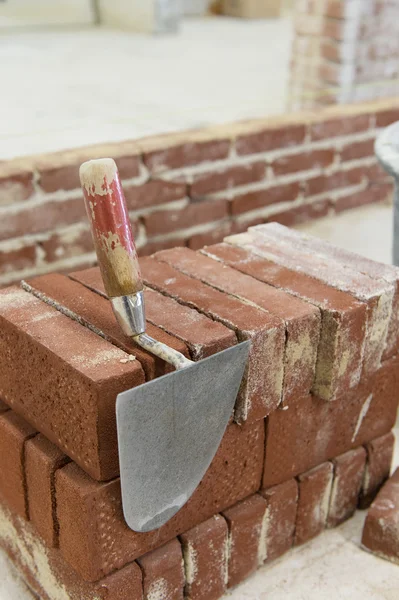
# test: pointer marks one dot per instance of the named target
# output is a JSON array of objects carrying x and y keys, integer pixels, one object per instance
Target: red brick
[
  {"x": 271, "y": 138},
  {"x": 387, "y": 117},
  {"x": 186, "y": 154},
  {"x": 280, "y": 244},
  {"x": 16, "y": 188},
  {"x": 152, "y": 193},
  {"x": 3, "y": 407},
  {"x": 86, "y": 509},
  {"x": 42, "y": 350},
  {"x": 66, "y": 244},
  {"x": 377, "y": 193},
  {"x": 42, "y": 460},
  {"x": 339, "y": 126},
  {"x": 227, "y": 178},
  {"x": 334, "y": 28},
  {"x": 196, "y": 213},
  {"x": 96, "y": 312},
  {"x": 330, "y": 50},
  {"x": 303, "y": 161},
  {"x": 302, "y": 214},
  {"x": 199, "y": 240},
  {"x": 163, "y": 574},
  {"x": 248, "y": 201},
  {"x": 381, "y": 529},
  {"x": 280, "y": 519},
  {"x": 347, "y": 484},
  {"x": 205, "y": 558},
  {"x": 302, "y": 322},
  {"x": 378, "y": 467},
  {"x": 246, "y": 522},
  {"x": 313, "y": 502},
  {"x": 15, "y": 260},
  {"x": 356, "y": 150},
  {"x": 120, "y": 585},
  {"x": 329, "y": 183},
  {"x": 14, "y": 432},
  {"x": 312, "y": 431},
  {"x": 260, "y": 392},
  {"x": 154, "y": 246},
  {"x": 343, "y": 319}
]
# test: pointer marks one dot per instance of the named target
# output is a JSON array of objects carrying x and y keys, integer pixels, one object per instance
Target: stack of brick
[
  {"x": 309, "y": 442},
  {"x": 195, "y": 188},
  {"x": 344, "y": 51}
]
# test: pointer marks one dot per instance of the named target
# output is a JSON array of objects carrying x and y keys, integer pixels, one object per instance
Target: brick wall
[
  {"x": 344, "y": 51},
  {"x": 194, "y": 188},
  {"x": 309, "y": 441}
]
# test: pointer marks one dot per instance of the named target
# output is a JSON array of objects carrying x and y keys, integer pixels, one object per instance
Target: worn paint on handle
[{"x": 110, "y": 226}]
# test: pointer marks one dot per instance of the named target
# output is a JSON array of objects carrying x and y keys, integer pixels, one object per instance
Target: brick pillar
[{"x": 344, "y": 51}]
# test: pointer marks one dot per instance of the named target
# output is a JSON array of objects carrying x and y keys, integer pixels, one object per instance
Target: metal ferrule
[{"x": 130, "y": 313}]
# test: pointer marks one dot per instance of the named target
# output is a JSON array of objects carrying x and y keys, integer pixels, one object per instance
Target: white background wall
[{"x": 17, "y": 13}]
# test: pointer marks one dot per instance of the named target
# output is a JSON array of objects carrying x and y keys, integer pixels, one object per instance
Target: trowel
[{"x": 169, "y": 429}]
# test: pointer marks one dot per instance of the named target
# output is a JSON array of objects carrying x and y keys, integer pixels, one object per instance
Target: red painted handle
[{"x": 110, "y": 227}]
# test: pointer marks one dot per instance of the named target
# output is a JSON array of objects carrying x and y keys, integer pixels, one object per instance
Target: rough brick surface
[
  {"x": 43, "y": 351},
  {"x": 347, "y": 484},
  {"x": 377, "y": 294},
  {"x": 163, "y": 573},
  {"x": 302, "y": 322},
  {"x": 42, "y": 460},
  {"x": 205, "y": 549},
  {"x": 381, "y": 529},
  {"x": 50, "y": 577},
  {"x": 260, "y": 391},
  {"x": 246, "y": 522},
  {"x": 280, "y": 518},
  {"x": 14, "y": 432},
  {"x": 378, "y": 467},
  {"x": 343, "y": 319},
  {"x": 94, "y": 537},
  {"x": 313, "y": 502},
  {"x": 312, "y": 431}
]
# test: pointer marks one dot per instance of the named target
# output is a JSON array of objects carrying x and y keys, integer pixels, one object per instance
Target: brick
[
  {"x": 43, "y": 351},
  {"x": 167, "y": 221},
  {"x": 381, "y": 529},
  {"x": 50, "y": 577},
  {"x": 302, "y": 214},
  {"x": 339, "y": 126},
  {"x": 96, "y": 312},
  {"x": 42, "y": 460},
  {"x": 186, "y": 154},
  {"x": 332, "y": 183},
  {"x": 227, "y": 178},
  {"x": 280, "y": 519},
  {"x": 3, "y": 407},
  {"x": 312, "y": 431},
  {"x": 375, "y": 270},
  {"x": 343, "y": 319},
  {"x": 378, "y": 193},
  {"x": 313, "y": 502},
  {"x": 260, "y": 392},
  {"x": 205, "y": 550},
  {"x": 67, "y": 243},
  {"x": 16, "y": 260},
  {"x": 163, "y": 574},
  {"x": 16, "y": 188},
  {"x": 14, "y": 433},
  {"x": 272, "y": 138},
  {"x": 247, "y": 201},
  {"x": 378, "y": 467},
  {"x": 279, "y": 244},
  {"x": 302, "y": 322},
  {"x": 94, "y": 537},
  {"x": 152, "y": 193},
  {"x": 59, "y": 178},
  {"x": 246, "y": 522},
  {"x": 199, "y": 240},
  {"x": 303, "y": 161},
  {"x": 347, "y": 484},
  {"x": 356, "y": 150},
  {"x": 154, "y": 246},
  {"x": 387, "y": 117}
]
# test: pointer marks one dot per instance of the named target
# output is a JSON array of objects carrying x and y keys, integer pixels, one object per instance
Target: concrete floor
[{"x": 67, "y": 88}]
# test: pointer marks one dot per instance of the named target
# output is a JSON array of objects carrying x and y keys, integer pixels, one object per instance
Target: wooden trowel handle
[{"x": 110, "y": 227}]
